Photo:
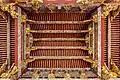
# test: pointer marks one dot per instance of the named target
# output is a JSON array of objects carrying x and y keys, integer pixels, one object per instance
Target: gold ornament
[
  {"x": 10, "y": 8},
  {"x": 29, "y": 49},
  {"x": 35, "y": 75},
  {"x": 115, "y": 68},
  {"x": 13, "y": 72},
  {"x": 108, "y": 73},
  {"x": 93, "y": 62},
  {"x": 28, "y": 31},
  {"x": 23, "y": 18},
  {"x": 36, "y": 4},
  {"x": 9, "y": 73},
  {"x": 83, "y": 75},
  {"x": 90, "y": 50},
  {"x": 25, "y": 62},
  {"x": 51, "y": 76},
  {"x": 107, "y": 9},
  {"x": 3, "y": 67},
  {"x": 112, "y": 74},
  {"x": 67, "y": 7},
  {"x": 90, "y": 30},
  {"x": 105, "y": 69}
]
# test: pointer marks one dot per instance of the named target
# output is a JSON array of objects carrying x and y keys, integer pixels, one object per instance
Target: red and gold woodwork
[{"x": 60, "y": 41}]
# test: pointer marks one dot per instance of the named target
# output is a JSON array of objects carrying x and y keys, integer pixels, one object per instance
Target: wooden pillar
[
  {"x": 99, "y": 41},
  {"x": 19, "y": 41},
  {"x": 16, "y": 42},
  {"x": 8, "y": 41},
  {"x": 102, "y": 41},
  {"x": 109, "y": 40}
]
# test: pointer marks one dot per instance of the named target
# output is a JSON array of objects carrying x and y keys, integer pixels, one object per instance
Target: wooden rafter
[
  {"x": 61, "y": 22},
  {"x": 58, "y": 57},
  {"x": 59, "y": 31}
]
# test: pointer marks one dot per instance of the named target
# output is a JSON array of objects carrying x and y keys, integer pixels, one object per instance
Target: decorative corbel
[
  {"x": 3, "y": 67},
  {"x": 11, "y": 72},
  {"x": 114, "y": 68},
  {"x": 24, "y": 19},
  {"x": 10, "y": 8},
  {"x": 5, "y": 74},
  {"x": 107, "y": 9},
  {"x": 93, "y": 62},
  {"x": 25, "y": 62},
  {"x": 107, "y": 73},
  {"x": 14, "y": 71}
]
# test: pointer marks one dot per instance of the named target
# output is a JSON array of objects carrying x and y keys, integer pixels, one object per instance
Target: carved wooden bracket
[{"x": 10, "y": 8}]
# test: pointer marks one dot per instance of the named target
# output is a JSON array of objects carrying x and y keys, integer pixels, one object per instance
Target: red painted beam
[
  {"x": 16, "y": 42},
  {"x": 102, "y": 41}
]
